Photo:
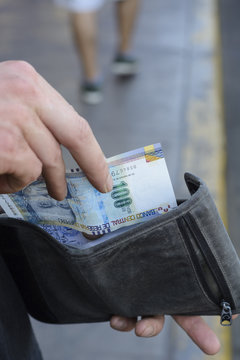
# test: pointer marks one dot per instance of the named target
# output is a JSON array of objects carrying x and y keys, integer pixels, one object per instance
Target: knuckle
[
  {"x": 81, "y": 134},
  {"x": 21, "y": 78},
  {"x": 54, "y": 158},
  {"x": 20, "y": 113},
  {"x": 102, "y": 167},
  {"x": 28, "y": 177},
  {"x": 21, "y": 117},
  {"x": 36, "y": 171},
  {"x": 25, "y": 87},
  {"x": 8, "y": 144},
  {"x": 20, "y": 67},
  {"x": 32, "y": 170}
]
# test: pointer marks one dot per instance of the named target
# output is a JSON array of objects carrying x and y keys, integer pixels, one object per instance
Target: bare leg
[
  {"x": 84, "y": 29},
  {"x": 124, "y": 64},
  {"x": 126, "y": 15}
]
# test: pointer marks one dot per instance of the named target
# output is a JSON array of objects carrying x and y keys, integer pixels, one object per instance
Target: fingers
[
  {"x": 75, "y": 134},
  {"x": 121, "y": 323},
  {"x": 24, "y": 129},
  {"x": 48, "y": 150},
  {"x": 19, "y": 166},
  {"x": 200, "y": 333},
  {"x": 149, "y": 326},
  {"x": 51, "y": 121},
  {"x": 88, "y": 154},
  {"x": 146, "y": 327},
  {"x": 194, "y": 326}
]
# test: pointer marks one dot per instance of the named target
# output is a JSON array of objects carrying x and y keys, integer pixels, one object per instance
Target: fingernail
[
  {"x": 120, "y": 324},
  {"x": 109, "y": 183},
  {"x": 148, "y": 331}
]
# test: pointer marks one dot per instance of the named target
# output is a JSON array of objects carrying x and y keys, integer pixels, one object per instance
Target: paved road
[{"x": 176, "y": 69}]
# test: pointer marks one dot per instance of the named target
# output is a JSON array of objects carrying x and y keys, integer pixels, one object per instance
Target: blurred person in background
[{"x": 83, "y": 20}]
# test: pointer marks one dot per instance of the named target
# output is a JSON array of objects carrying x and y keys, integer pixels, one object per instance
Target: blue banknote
[{"x": 142, "y": 189}]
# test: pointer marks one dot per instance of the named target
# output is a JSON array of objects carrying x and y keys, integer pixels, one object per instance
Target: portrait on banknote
[{"x": 43, "y": 206}]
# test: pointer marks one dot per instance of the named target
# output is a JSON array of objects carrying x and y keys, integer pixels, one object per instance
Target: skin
[
  {"x": 195, "y": 327},
  {"x": 85, "y": 34},
  {"x": 126, "y": 12},
  {"x": 34, "y": 121}
]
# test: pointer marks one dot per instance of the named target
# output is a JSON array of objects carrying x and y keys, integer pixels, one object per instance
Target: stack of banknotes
[{"x": 142, "y": 190}]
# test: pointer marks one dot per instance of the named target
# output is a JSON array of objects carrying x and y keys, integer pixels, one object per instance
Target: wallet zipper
[{"x": 227, "y": 303}]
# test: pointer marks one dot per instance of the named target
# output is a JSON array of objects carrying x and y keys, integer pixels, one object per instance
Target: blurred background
[{"x": 185, "y": 95}]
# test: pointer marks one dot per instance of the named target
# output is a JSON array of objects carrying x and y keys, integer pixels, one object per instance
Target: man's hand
[
  {"x": 194, "y": 326},
  {"x": 34, "y": 121}
]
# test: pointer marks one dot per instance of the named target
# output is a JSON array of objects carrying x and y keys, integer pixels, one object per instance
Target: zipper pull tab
[{"x": 226, "y": 314}]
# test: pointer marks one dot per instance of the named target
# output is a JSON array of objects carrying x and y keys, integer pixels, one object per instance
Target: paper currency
[
  {"x": 70, "y": 237},
  {"x": 142, "y": 190}
]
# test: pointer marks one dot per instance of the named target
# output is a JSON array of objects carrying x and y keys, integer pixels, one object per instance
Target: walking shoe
[
  {"x": 124, "y": 65},
  {"x": 92, "y": 93}
]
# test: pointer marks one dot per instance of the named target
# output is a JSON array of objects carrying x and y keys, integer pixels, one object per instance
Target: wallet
[{"x": 179, "y": 263}]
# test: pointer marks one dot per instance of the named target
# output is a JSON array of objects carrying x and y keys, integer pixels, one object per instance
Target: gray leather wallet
[{"x": 181, "y": 263}]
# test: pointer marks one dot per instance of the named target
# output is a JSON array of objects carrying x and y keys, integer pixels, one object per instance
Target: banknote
[
  {"x": 142, "y": 189},
  {"x": 74, "y": 238}
]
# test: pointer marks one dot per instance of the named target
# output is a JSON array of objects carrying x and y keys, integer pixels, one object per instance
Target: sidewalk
[{"x": 173, "y": 101}]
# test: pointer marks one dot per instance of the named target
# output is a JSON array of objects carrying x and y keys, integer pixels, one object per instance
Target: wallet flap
[{"x": 153, "y": 268}]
